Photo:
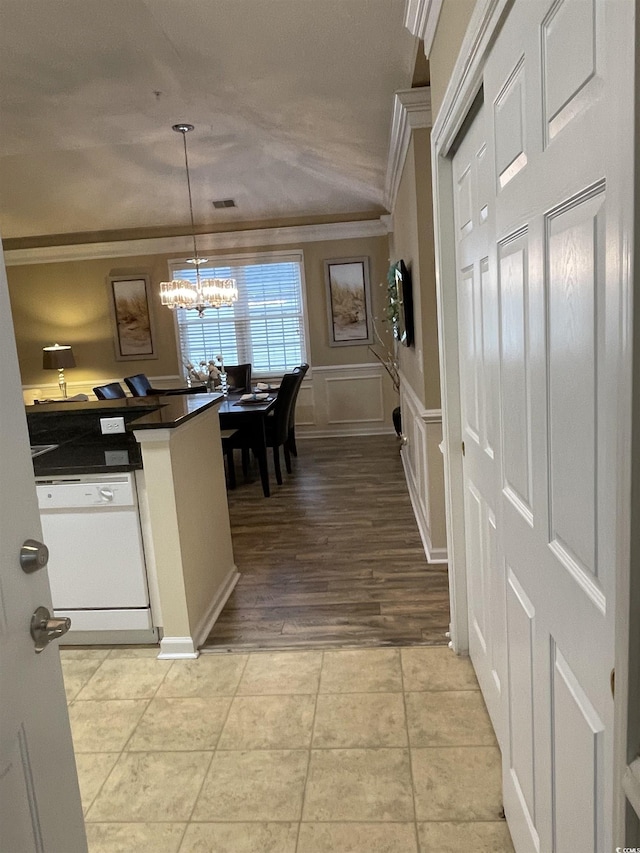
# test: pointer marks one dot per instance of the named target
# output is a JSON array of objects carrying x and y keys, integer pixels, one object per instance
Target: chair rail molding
[
  {"x": 424, "y": 470},
  {"x": 421, "y": 19},
  {"x": 411, "y": 111}
]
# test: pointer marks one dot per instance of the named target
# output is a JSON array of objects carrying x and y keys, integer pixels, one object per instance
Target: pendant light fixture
[{"x": 205, "y": 292}]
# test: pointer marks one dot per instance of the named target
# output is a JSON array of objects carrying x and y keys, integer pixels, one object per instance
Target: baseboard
[
  {"x": 434, "y": 555},
  {"x": 437, "y": 555},
  {"x": 204, "y": 626},
  {"x": 177, "y": 648},
  {"x": 359, "y": 429}
]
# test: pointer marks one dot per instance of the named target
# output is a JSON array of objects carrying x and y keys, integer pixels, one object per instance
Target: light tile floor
[{"x": 351, "y": 751}]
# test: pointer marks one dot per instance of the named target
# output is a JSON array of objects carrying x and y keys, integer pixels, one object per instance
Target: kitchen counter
[
  {"x": 175, "y": 443},
  {"x": 83, "y": 449},
  {"x": 175, "y": 410}
]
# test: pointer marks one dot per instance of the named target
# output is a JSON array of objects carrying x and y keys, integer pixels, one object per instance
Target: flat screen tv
[{"x": 403, "y": 319}]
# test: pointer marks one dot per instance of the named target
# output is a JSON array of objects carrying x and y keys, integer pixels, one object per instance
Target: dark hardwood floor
[{"x": 333, "y": 557}]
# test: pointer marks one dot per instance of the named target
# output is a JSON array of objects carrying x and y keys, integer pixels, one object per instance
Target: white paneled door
[
  {"x": 40, "y": 809},
  {"x": 479, "y": 385},
  {"x": 539, "y": 307}
]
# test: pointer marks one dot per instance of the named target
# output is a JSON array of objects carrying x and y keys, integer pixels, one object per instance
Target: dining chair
[
  {"x": 111, "y": 391},
  {"x": 140, "y": 386},
  {"x": 290, "y": 444},
  {"x": 276, "y": 427},
  {"x": 238, "y": 377}
]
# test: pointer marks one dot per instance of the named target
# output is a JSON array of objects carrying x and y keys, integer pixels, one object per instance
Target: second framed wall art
[
  {"x": 132, "y": 317},
  {"x": 348, "y": 301}
]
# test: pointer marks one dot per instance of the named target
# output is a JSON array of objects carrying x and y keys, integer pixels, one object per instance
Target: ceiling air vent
[{"x": 224, "y": 202}]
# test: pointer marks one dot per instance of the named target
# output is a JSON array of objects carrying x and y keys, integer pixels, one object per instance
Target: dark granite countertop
[
  {"x": 173, "y": 411},
  {"x": 83, "y": 449},
  {"x": 78, "y": 456}
]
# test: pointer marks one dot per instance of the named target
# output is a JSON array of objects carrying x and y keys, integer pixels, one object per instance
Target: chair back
[
  {"x": 238, "y": 377},
  {"x": 279, "y": 423},
  {"x": 139, "y": 385},
  {"x": 300, "y": 372},
  {"x": 112, "y": 391}
]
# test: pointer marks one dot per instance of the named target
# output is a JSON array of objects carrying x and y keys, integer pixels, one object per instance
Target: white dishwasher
[{"x": 91, "y": 526}]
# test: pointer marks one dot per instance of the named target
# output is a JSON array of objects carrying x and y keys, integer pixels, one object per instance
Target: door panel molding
[{"x": 569, "y": 129}]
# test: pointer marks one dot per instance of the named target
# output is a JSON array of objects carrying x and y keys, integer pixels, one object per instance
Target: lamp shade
[{"x": 58, "y": 356}]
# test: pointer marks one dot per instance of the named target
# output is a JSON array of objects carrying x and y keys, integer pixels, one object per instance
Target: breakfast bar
[{"x": 172, "y": 448}]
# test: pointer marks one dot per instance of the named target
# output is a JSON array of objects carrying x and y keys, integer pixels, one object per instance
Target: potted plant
[{"x": 385, "y": 355}]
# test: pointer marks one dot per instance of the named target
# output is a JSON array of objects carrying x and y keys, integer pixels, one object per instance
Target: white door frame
[{"x": 464, "y": 85}]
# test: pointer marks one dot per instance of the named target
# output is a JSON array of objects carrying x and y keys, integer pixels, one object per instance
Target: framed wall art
[
  {"x": 133, "y": 334},
  {"x": 348, "y": 301}
]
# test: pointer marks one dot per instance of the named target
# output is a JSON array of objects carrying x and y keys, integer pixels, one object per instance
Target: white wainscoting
[
  {"x": 424, "y": 470},
  {"x": 346, "y": 399}
]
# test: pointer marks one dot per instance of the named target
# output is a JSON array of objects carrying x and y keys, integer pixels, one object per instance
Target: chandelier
[{"x": 204, "y": 292}]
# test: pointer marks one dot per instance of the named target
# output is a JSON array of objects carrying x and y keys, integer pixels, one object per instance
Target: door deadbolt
[
  {"x": 34, "y": 555},
  {"x": 45, "y": 628}
]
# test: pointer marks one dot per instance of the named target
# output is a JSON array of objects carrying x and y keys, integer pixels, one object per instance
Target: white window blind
[{"x": 264, "y": 327}]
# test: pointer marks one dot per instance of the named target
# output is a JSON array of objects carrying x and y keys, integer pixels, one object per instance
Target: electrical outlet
[
  {"x": 116, "y": 457},
  {"x": 110, "y": 426}
]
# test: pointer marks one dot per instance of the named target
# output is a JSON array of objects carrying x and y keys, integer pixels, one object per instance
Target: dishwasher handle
[{"x": 106, "y": 494}]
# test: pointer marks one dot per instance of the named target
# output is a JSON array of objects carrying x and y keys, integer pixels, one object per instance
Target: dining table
[{"x": 250, "y": 416}]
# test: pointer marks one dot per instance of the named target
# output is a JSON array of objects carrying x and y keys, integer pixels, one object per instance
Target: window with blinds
[{"x": 264, "y": 327}]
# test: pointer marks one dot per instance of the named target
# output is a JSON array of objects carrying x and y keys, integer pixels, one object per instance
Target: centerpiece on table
[{"x": 211, "y": 373}]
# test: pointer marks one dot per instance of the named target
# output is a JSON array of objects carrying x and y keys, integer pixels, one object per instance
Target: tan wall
[
  {"x": 428, "y": 306},
  {"x": 452, "y": 26},
  {"x": 202, "y": 513},
  {"x": 413, "y": 242},
  {"x": 189, "y": 520},
  {"x": 67, "y": 303}
]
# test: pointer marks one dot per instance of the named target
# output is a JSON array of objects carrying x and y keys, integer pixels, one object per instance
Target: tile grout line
[
  {"x": 124, "y": 746},
  {"x": 413, "y": 784},
  {"x": 85, "y": 814},
  {"x": 213, "y": 753},
  {"x": 313, "y": 726}
]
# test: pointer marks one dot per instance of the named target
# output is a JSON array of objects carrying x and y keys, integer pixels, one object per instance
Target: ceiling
[{"x": 291, "y": 101}]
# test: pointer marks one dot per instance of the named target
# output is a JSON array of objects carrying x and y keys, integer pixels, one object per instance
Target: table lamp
[{"x": 57, "y": 358}]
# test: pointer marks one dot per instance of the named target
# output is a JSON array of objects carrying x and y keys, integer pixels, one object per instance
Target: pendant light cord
[{"x": 193, "y": 227}]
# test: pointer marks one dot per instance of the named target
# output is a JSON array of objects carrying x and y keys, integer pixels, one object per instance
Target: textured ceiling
[{"x": 291, "y": 99}]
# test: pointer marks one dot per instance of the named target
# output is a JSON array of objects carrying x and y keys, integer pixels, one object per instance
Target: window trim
[{"x": 295, "y": 256}]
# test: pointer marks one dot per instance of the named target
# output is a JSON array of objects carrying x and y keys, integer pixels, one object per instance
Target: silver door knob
[
  {"x": 45, "y": 628},
  {"x": 34, "y": 555}
]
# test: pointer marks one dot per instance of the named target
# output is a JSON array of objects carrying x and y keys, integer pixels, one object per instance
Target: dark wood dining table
[{"x": 250, "y": 417}]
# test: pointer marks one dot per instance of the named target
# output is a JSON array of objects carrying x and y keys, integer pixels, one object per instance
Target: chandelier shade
[{"x": 204, "y": 292}]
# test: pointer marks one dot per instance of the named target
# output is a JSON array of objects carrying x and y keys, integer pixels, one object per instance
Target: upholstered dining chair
[
  {"x": 277, "y": 428},
  {"x": 290, "y": 443},
  {"x": 140, "y": 386},
  {"x": 238, "y": 377},
  {"x": 111, "y": 391}
]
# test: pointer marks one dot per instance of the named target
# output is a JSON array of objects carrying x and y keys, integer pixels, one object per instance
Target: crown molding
[
  {"x": 258, "y": 237},
  {"x": 411, "y": 111},
  {"x": 421, "y": 19}
]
